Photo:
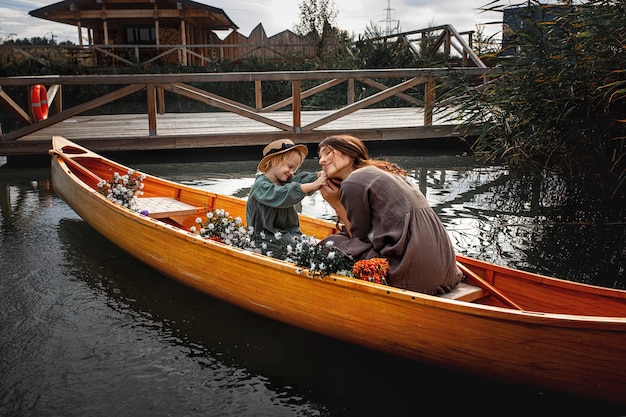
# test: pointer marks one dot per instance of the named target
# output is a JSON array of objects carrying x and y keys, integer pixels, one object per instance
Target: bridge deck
[{"x": 223, "y": 129}]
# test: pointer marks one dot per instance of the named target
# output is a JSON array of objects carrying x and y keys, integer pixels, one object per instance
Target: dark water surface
[{"x": 89, "y": 331}]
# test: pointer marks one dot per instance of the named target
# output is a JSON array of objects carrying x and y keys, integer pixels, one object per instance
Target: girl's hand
[{"x": 315, "y": 185}]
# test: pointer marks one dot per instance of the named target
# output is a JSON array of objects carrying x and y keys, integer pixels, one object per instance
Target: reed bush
[{"x": 558, "y": 105}]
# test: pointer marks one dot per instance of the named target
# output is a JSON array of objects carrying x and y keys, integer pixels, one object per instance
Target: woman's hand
[{"x": 330, "y": 192}]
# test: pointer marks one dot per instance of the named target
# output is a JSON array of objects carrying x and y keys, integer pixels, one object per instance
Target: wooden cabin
[
  {"x": 138, "y": 21},
  {"x": 132, "y": 32}
]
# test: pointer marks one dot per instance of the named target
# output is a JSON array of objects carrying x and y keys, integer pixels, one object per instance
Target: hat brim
[{"x": 300, "y": 148}]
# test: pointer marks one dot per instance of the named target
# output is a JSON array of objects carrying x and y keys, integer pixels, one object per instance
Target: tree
[
  {"x": 314, "y": 16},
  {"x": 318, "y": 25}
]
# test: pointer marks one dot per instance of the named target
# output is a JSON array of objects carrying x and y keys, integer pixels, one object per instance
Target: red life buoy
[{"x": 39, "y": 101}]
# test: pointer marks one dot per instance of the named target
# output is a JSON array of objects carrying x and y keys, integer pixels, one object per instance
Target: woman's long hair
[{"x": 355, "y": 148}]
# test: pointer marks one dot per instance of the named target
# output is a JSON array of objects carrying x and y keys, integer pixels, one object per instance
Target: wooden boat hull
[{"x": 574, "y": 351}]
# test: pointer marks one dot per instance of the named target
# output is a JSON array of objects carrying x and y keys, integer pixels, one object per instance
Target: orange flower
[{"x": 372, "y": 270}]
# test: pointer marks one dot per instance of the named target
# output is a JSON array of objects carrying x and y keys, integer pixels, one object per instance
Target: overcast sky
[{"x": 278, "y": 15}]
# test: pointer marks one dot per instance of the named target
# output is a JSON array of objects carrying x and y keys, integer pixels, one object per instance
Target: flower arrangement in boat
[
  {"x": 372, "y": 270},
  {"x": 221, "y": 227},
  {"x": 123, "y": 189},
  {"x": 319, "y": 260},
  {"x": 306, "y": 252}
]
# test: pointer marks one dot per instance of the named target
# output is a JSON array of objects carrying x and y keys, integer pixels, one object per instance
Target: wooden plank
[
  {"x": 258, "y": 94},
  {"x": 361, "y": 104},
  {"x": 429, "y": 100},
  {"x": 110, "y": 79},
  {"x": 296, "y": 89},
  {"x": 161, "y": 207},
  {"x": 152, "y": 109},
  {"x": 14, "y": 108},
  {"x": 211, "y": 124},
  {"x": 127, "y": 132},
  {"x": 383, "y": 87},
  {"x": 303, "y": 94},
  {"x": 216, "y": 101},
  {"x": 464, "y": 292}
]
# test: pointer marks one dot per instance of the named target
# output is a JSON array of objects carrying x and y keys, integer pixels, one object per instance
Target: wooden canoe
[{"x": 503, "y": 323}]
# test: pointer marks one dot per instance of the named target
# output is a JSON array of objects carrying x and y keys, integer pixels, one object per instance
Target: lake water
[{"x": 89, "y": 331}]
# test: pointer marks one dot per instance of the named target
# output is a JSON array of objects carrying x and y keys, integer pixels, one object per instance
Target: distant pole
[{"x": 388, "y": 19}]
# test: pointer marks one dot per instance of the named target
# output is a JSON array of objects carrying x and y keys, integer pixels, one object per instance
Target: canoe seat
[
  {"x": 464, "y": 292},
  {"x": 162, "y": 207}
]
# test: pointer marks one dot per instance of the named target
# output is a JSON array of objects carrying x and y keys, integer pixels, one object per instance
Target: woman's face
[{"x": 334, "y": 163}]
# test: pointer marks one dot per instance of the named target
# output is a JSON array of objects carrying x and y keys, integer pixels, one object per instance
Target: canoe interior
[{"x": 532, "y": 292}]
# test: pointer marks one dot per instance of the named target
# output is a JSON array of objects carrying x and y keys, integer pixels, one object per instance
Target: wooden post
[
  {"x": 296, "y": 105},
  {"x": 152, "y": 113},
  {"x": 156, "y": 25},
  {"x": 55, "y": 96},
  {"x": 58, "y": 103},
  {"x": 183, "y": 36},
  {"x": 191, "y": 34},
  {"x": 105, "y": 27},
  {"x": 30, "y": 103},
  {"x": 258, "y": 95},
  {"x": 470, "y": 43},
  {"x": 429, "y": 99},
  {"x": 161, "y": 100},
  {"x": 350, "y": 91},
  {"x": 80, "y": 33}
]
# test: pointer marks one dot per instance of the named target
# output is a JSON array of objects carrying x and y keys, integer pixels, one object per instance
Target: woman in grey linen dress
[
  {"x": 386, "y": 216},
  {"x": 270, "y": 209}
]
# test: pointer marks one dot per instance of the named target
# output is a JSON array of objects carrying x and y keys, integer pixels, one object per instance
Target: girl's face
[
  {"x": 334, "y": 163},
  {"x": 284, "y": 169}
]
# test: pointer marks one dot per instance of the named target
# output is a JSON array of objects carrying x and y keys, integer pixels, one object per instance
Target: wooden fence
[{"x": 455, "y": 48}]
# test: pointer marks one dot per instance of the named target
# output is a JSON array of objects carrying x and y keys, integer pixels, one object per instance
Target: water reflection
[{"x": 20, "y": 202}]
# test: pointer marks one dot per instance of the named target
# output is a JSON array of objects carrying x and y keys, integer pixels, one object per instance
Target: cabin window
[{"x": 141, "y": 35}]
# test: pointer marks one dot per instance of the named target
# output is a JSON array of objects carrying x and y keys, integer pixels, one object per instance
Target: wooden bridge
[{"x": 231, "y": 123}]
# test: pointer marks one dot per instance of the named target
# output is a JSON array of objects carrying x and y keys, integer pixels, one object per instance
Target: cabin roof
[{"x": 90, "y": 13}]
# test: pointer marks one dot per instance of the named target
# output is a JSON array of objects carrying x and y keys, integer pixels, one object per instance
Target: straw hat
[{"x": 281, "y": 146}]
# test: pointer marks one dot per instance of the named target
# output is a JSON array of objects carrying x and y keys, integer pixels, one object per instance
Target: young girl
[
  {"x": 276, "y": 190},
  {"x": 386, "y": 216}
]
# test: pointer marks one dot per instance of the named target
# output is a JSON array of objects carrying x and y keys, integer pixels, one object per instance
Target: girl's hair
[
  {"x": 279, "y": 158},
  {"x": 356, "y": 149}
]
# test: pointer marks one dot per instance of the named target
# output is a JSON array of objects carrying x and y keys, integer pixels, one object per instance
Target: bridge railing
[
  {"x": 444, "y": 39},
  {"x": 400, "y": 83},
  {"x": 97, "y": 55}
]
